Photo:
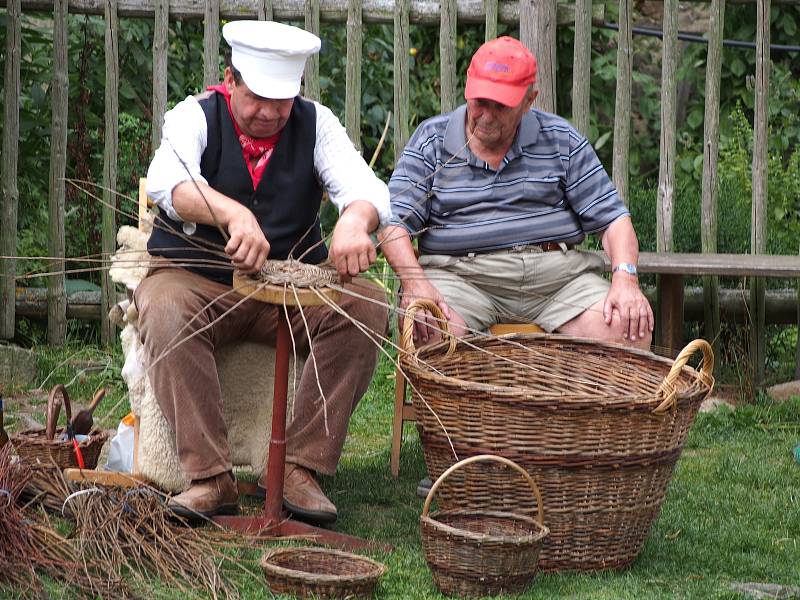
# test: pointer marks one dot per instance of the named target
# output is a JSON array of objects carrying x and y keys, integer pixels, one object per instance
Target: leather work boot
[
  {"x": 216, "y": 495},
  {"x": 303, "y": 497}
]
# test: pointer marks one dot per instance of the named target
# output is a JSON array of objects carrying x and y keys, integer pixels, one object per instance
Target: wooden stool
[{"x": 404, "y": 410}]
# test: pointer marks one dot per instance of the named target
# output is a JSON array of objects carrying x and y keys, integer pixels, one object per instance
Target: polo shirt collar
[{"x": 455, "y": 135}]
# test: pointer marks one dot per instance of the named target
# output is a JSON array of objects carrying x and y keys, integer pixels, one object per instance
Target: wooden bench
[{"x": 672, "y": 267}]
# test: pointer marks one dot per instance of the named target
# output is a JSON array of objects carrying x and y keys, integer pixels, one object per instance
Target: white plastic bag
[{"x": 120, "y": 454}]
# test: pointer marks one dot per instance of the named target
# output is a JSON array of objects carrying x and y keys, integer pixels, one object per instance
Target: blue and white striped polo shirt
[{"x": 549, "y": 187}]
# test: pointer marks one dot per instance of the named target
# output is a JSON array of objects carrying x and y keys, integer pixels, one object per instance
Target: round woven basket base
[
  {"x": 320, "y": 573},
  {"x": 459, "y": 586}
]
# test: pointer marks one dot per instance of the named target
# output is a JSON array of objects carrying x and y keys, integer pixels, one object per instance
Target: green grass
[{"x": 732, "y": 513}]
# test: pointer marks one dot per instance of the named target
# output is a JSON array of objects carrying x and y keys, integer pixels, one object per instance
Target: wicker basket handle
[
  {"x": 667, "y": 388},
  {"x": 485, "y": 458},
  {"x": 58, "y": 395},
  {"x": 407, "y": 338}
]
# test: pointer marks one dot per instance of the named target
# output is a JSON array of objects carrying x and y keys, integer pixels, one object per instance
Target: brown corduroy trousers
[{"x": 175, "y": 305}]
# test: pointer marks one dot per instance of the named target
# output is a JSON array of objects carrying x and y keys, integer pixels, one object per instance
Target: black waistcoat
[{"x": 286, "y": 201}]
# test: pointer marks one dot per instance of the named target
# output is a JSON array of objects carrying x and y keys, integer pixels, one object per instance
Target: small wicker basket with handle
[
  {"x": 482, "y": 552},
  {"x": 45, "y": 446}
]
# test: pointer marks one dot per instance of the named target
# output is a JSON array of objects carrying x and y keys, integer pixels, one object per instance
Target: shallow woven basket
[
  {"x": 44, "y": 446},
  {"x": 320, "y": 573},
  {"x": 598, "y": 426},
  {"x": 480, "y": 552}
]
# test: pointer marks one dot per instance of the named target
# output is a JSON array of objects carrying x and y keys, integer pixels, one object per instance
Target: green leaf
[
  {"x": 601, "y": 141},
  {"x": 738, "y": 67},
  {"x": 695, "y": 118}
]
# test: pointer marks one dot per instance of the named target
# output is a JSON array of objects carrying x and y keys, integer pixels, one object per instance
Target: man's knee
[{"x": 592, "y": 324}]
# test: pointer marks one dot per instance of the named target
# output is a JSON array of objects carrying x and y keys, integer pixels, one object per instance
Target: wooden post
[
  {"x": 107, "y": 294},
  {"x": 708, "y": 222},
  {"x": 758, "y": 241},
  {"x": 160, "y": 73},
  {"x": 447, "y": 54},
  {"x": 311, "y": 87},
  {"x": 211, "y": 43},
  {"x": 537, "y": 30},
  {"x": 10, "y": 199},
  {"x": 56, "y": 290},
  {"x": 666, "y": 168},
  {"x": 670, "y": 313},
  {"x": 352, "y": 105},
  {"x": 265, "y": 10},
  {"x": 581, "y": 65},
  {"x": 490, "y": 6},
  {"x": 622, "y": 108},
  {"x": 665, "y": 208},
  {"x": 401, "y": 101}
]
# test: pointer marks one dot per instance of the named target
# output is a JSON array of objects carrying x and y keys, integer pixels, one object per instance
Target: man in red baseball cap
[{"x": 498, "y": 195}]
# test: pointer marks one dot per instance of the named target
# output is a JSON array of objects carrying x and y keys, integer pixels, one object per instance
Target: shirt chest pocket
[{"x": 543, "y": 190}]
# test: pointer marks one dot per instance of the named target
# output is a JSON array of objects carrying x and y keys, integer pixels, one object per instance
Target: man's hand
[
  {"x": 634, "y": 310},
  {"x": 352, "y": 250},
  {"x": 247, "y": 247},
  {"x": 197, "y": 202},
  {"x": 426, "y": 326}
]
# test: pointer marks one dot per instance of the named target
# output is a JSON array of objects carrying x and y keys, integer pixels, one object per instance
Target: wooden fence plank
[
  {"x": 622, "y": 106},
  {"x": 490, "y": 7},
  {"x": 311, "y": 87},
  {"x": 375, "y": 11},
  {"x": 708, "y": 222},
  {"x": 56, "y": 292},
  {"x": 160, "y": 73},
  {"x": 758, "y": 244},
  {"x": 537, "y": 30},
  {"x": 401, "y": 97},
  {"x": 447, "y": 55},
  {"x": 111, "y": 143},
  {"x": 352, "y": 104},
  {"x": 10, "y": 199},
  {"x": 582, "y": 62},
  {"x": 264, "y": 9},
  {"x": 210, "y": 43},
  {"x": 666, "y": 169}
]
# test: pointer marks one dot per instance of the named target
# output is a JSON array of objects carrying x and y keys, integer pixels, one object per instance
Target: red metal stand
[{"x": 274, "y": 522}]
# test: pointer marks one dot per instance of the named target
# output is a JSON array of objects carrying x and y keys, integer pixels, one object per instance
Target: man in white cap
[
  {"x": 499, "y": 195},
  {"x": 252, "y": 157}
]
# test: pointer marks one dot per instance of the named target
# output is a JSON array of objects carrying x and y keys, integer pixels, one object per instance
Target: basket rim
[
  {"x": 511, "y": 392},
  {"x": 33, "y": 435},
  {"x": 377, "y": 569},
  {"x": 543, "y": 530}
]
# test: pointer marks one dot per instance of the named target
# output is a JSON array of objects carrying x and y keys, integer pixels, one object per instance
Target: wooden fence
[{"x": 537, "y": 20}]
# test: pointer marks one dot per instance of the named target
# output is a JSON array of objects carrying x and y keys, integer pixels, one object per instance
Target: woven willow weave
[{"x": 598, "y": 426}]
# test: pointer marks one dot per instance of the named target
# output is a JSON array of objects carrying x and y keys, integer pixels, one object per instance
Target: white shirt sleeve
[
  {"x": 343, "y": 171},
  {"x": 177, "y": 159}
]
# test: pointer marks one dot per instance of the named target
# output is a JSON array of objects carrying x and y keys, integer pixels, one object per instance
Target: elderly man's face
[
  {"x": 256, "y": 116},
  {"x": 494, "y": 125}
]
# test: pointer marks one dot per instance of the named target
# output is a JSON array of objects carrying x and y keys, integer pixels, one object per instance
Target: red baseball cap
[{"x": 501, "y": 70}]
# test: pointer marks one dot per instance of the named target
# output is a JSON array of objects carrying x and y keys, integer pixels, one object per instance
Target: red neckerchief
[{"x": 256, "y": 151}]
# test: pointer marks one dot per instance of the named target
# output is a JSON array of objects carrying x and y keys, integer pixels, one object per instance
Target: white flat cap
[{"x": 270, "y": 56}]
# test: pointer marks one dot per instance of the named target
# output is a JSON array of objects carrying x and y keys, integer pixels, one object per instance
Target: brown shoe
[
  {"x": 216, "y": 495},
  {"x": 303, "y": 497}
]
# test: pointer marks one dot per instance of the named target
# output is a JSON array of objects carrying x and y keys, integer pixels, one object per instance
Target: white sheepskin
[{"x": 246, "y": 372}]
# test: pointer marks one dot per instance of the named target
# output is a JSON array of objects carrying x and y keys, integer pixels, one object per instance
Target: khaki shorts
[{"x": 518, "y": 285}]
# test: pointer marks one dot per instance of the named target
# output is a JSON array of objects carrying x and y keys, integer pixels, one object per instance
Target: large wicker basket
[
  {"x": 45, "y": 446},
  {"x": 482, "y": 552},
  {"x": 598, "y": 426}
]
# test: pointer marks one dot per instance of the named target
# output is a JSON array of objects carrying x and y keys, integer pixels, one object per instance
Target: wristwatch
[{"x": 627, "y": 267}]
